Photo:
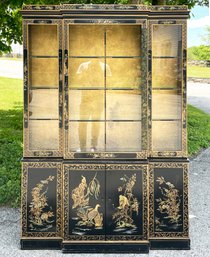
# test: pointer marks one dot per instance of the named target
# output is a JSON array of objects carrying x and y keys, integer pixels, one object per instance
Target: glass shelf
[
  {"x": 166, "y": 57},
  {"x": 44, "y": 88},
  {"x": 107, "y": 89},
  {"x": 105, "y": 57},
  {"x": 45, "y": 118},
  {"x": 42, "y": 56}
]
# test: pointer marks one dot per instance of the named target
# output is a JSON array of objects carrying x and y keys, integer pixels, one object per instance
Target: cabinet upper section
[{"x": 107, "y": 81}]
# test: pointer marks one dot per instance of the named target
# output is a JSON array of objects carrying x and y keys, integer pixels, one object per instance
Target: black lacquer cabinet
[{"x": 105, "y": 165}]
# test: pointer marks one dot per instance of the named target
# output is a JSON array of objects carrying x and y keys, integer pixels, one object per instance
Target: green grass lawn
[
  {"x": 11, "y": 138},
  {"x": 198, "y": 72}
]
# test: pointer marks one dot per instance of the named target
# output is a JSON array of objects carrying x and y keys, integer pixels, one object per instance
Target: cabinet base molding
[
  {"x": 105, "y": 247},
  {"x": 38, "y": 244},
  {"x": 170, "y": 244}
]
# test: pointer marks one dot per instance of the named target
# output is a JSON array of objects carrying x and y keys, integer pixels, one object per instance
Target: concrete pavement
[
  {"x": 198, "y": 95},
  {"x": 11, "y": 69}
]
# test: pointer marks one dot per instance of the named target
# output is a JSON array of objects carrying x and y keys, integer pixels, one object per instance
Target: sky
[{"x": 199, "y": 19}]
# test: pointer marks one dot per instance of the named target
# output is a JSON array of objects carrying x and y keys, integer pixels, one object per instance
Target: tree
[
  {"x": 206, "y": 38},
  {"x": 11, "y": 22}
]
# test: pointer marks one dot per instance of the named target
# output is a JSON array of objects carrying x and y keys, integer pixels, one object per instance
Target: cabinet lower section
[{"x": 104, "y": 206}]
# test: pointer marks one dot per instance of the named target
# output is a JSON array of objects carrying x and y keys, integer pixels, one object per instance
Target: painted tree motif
[
  {"x": 40, "y": 213},
  {"x": 128, "y": 204},
  {"x": 88, "y": 216},
  {"x": 169, "y": 203}
]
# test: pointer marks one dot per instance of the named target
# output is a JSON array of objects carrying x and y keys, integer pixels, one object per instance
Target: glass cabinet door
[
  {"x": 104, "y": 88},
  {"x": 43, "y": 90},
  {"x": 167, "y": 89}
]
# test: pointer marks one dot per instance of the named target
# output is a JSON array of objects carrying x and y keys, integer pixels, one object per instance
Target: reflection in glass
[
  {"x": 167, "y": 40},
  {"x": 123, "y": 136},
  {"x": 127, "y": 38},
  {"x": 166, "y": 135},
  {"x": 86, "y": 104},
  {"x": 123, "y": 105},
  {"x": 43, "y": 72},
  {"x": 86, "y": 73},
  {"x": 43, "y": 103},
  {"x": 41, "y": 37},
  {"x": 166, "y": 73},
  {"x": 166, "y": 104},
  {"x": 43, "y": 135},
  {"x": 86, "y": 136},
  {"x": 86, "y": 40},
  {"x": 125, "y": 73}
]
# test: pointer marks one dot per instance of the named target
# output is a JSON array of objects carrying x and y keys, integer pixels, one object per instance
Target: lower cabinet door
[
  {"x": 41, "y": 201},
  {"x": 168, "y": 207},
  {"x": 84, "y": 202},
  {"x": 126, "y": 202}
]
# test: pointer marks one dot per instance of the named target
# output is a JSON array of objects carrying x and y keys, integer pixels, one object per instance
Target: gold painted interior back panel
[
  {"x": 167, "y": 40},
  {"x": 166, "y": 104},
  {"x": 113, "y": 69},
  {"x": 43, "y": 103},
  {"x": 123, "y": 105},
  {"x": 43, "y": 40},
  {"x": 86, "y": 73},
  {"x": 166, "y": 73},
  {"x": 86, "y": 40},
  {"x": 44, "y": 72},
  {"x": 43, "y": 135},
  {"x": 123, "y": 73},
  {"x": 166, "y": 135},
  {"x": 123, "y": 136},
  {"x": 123, "y": 40},
  {"x": 85, "y": 136},
  {"x": 86, "y": 105}
]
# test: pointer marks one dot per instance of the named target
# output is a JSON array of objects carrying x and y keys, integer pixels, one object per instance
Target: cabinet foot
[
  {"x": 105, "y": 248},
  {"x": 37, "y": 244},
  {"x": 170, "y": 244}
]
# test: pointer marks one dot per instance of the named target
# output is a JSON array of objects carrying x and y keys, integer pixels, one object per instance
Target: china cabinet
[{"x": 105, "y": 165}]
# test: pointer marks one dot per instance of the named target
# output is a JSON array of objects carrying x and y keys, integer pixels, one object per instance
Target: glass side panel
[
  {"x": 123, "y": 136},
  {"x": 123, "y": 73},
  {"x": 166, "y": 104},
  {"x": 86, "y": 105},
  {"x": 126, "y": 37},
  {"x": 166, "y": 73},
  {"x": 86, "y": 73},
  {"x": 43, "y": 135},
  {"x": 167, "y": 40},
  {"x": 43, "y": 40},
  {"x": 123, "y": 105},
  {"x": 43, "y": 103},
  {"x": 166, "y": 135},
  {"x": 86, "y": 40},
  {"x": 86, "y": 136},
  {"x": 43, "y": 72}
]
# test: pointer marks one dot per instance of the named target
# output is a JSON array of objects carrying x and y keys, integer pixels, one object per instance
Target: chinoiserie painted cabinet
[{"x": 105, "y": 165}]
